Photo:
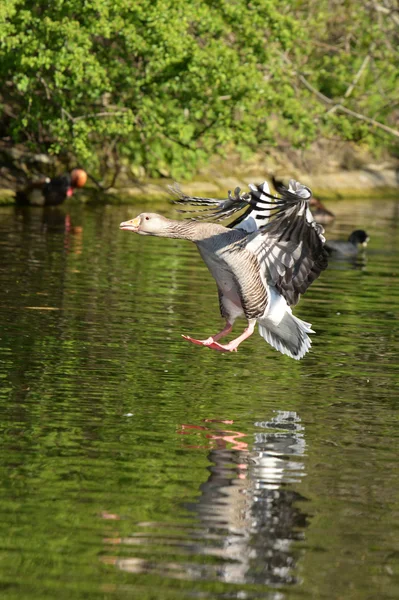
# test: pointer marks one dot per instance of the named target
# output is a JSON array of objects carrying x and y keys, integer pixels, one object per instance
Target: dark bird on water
[
  {"x": 262, "y": 261},
  {"x": 358, "y": 239},
  {"x": 320, "y": 213},
  {"x": 51, "y": 192}
]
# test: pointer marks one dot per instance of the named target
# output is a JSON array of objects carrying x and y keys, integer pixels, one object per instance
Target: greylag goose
[
  {"x": 51, "y": 192},
  {"x": 262, "y": 261},
  {"x": 320, "y": 213},
  {"x": 358, "y": 239}
]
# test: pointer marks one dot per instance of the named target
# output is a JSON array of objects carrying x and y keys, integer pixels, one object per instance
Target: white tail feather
[{"x": 289, "y": 336}]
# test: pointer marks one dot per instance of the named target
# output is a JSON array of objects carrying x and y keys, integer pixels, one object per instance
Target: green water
[{"x": 136, "y": 465}]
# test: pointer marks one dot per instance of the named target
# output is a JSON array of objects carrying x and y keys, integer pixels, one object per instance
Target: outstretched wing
[
  {"x": 257, "y": 200},
  {"x": 290, "y": 247}
]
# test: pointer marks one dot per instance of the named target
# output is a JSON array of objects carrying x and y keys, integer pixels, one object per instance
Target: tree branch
[
  {"x": 340, "y": 108},
  {"x": 118, "y": 113},
  {"x": 373, "y": 122},
  {"x": 386, "y": 11},
  {"x": 357, "y": 76},
  {"x": 314, "y": 91},
  {"x": 98, "y": 115}
]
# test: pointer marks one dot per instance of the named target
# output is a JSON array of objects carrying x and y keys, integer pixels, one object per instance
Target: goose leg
[
  {"x": 211, "y": 340},
  {"x": 233, "y": 345}
]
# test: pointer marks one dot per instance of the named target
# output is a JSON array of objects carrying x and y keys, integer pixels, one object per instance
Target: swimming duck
[
  {"x": 262, "y": 261},
  {"x": 320, "y": 213},
  {"x": 51, "y": 192},
  {"x": 356, "y": 240}
]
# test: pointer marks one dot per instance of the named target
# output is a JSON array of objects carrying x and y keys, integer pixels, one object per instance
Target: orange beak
[{"x": 132, "y": 225}]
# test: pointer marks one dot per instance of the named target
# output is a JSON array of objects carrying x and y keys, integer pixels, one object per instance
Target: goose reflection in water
[
  {"x": 249, "y": 507},
  {"x": 247, "y": 512}
]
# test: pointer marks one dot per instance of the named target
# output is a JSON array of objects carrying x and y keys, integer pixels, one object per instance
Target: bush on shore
[{"x": 165, "y": 84}]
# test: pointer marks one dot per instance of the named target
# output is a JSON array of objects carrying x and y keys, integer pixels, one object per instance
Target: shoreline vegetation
[
  {"x": 332, "y": 171},
  {"x": 139, "y": 94}
]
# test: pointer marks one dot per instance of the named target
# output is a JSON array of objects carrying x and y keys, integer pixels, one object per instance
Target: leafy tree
[{"x": 164, "y": 85}]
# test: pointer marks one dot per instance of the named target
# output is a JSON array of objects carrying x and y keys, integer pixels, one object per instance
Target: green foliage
[{"x": 164, "y": 85}]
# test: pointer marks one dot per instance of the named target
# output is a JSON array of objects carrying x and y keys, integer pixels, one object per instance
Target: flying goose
[
  {"x": 358, "y": 239},
  {"x": 262, "y": 261},
  {"x": 51, "y": 192}
]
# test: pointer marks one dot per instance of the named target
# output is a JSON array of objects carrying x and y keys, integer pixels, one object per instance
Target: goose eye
[{"x": 147, "y": 218}]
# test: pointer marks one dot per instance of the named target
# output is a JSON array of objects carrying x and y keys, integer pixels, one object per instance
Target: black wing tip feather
[
  {"x": 257, "y": 198},
  {"x": 183, "y": 198},
  {"x": 293, "y": 227},
  {"x": 216, "y": 210},
  {"x": 295, "y": 188}
]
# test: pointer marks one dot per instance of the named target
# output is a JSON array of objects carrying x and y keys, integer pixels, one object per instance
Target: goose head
[{"x": 148, "y": 224}]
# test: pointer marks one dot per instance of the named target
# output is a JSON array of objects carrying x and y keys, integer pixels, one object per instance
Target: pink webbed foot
[
  {"x": 212, "y": 341},
  {"x": 208, "y": 342},
  {"x": 232, "y": 346},
  {"x": 221, "y": 348}
]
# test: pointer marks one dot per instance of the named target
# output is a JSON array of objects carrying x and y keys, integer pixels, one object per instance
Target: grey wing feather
[
  {"x": 215, "y": 209},
  {"x": 257, "y": 199},
  {"x": 291, "y": 246}
]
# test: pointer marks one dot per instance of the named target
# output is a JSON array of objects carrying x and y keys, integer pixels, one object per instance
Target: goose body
[
  {"x": 261, "y": 262},
  {"x": 348, "y": 249},
  {"x": 51, "y": 192}
]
